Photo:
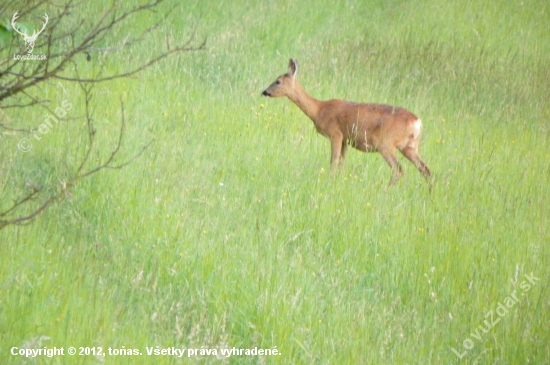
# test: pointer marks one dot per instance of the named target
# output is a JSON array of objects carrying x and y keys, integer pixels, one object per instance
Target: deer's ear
[{"x": 292, "y": 68}]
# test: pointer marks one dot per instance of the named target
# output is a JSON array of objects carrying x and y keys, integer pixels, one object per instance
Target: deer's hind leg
[{"x": 412, "y": 155}]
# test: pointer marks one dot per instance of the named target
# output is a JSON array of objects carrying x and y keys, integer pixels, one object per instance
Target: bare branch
[
  {"x": 137, "y": 70},
  {"x": 26, "y": 78},
  {"x": 78, "y": 175},
  {"x": 63, "y": 43}
]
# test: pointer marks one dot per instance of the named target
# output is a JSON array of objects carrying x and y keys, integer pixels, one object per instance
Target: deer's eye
[{"x": 278, "y": 82}]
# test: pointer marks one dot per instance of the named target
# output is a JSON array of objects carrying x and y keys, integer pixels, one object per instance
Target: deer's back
[{"x": 366, "y": 125}]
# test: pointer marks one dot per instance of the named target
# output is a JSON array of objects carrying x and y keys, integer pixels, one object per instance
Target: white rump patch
[{"x": 417, "y": 128}]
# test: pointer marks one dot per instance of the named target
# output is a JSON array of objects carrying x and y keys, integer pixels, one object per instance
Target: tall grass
[{"x": 230, "y": 231}]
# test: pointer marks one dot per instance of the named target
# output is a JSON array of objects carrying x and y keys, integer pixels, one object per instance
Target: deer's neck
[{"x": 308, "y": 104}]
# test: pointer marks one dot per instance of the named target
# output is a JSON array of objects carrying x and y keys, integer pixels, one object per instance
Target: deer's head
[{"x": 285, "y": 84}]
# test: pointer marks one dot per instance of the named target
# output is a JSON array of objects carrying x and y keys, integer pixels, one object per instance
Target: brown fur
[{"x": 366, "y": 127}]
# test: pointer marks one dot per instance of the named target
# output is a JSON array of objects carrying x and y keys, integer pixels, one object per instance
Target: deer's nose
[{"x": 265, "y": 93}]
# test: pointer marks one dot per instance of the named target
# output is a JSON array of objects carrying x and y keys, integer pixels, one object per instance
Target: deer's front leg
[
  {"x": 343, "y": 151},
  {"x": 337, "y": 148}
]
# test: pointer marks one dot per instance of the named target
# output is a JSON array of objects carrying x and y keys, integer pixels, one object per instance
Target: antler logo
[{"x": 32, "y": 38}]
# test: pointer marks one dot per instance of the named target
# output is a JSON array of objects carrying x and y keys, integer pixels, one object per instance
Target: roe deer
[{"x": 366, "y": 127}]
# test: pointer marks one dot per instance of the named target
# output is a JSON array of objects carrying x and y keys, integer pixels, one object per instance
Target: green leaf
[{"x": 6, "y": 34}]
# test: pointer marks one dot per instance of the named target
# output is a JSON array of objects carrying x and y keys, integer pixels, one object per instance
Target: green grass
[{"x": 230, "y": 232}]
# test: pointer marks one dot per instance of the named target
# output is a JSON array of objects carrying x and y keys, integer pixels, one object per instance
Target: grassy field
[{"x": 230, "y": 232}]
